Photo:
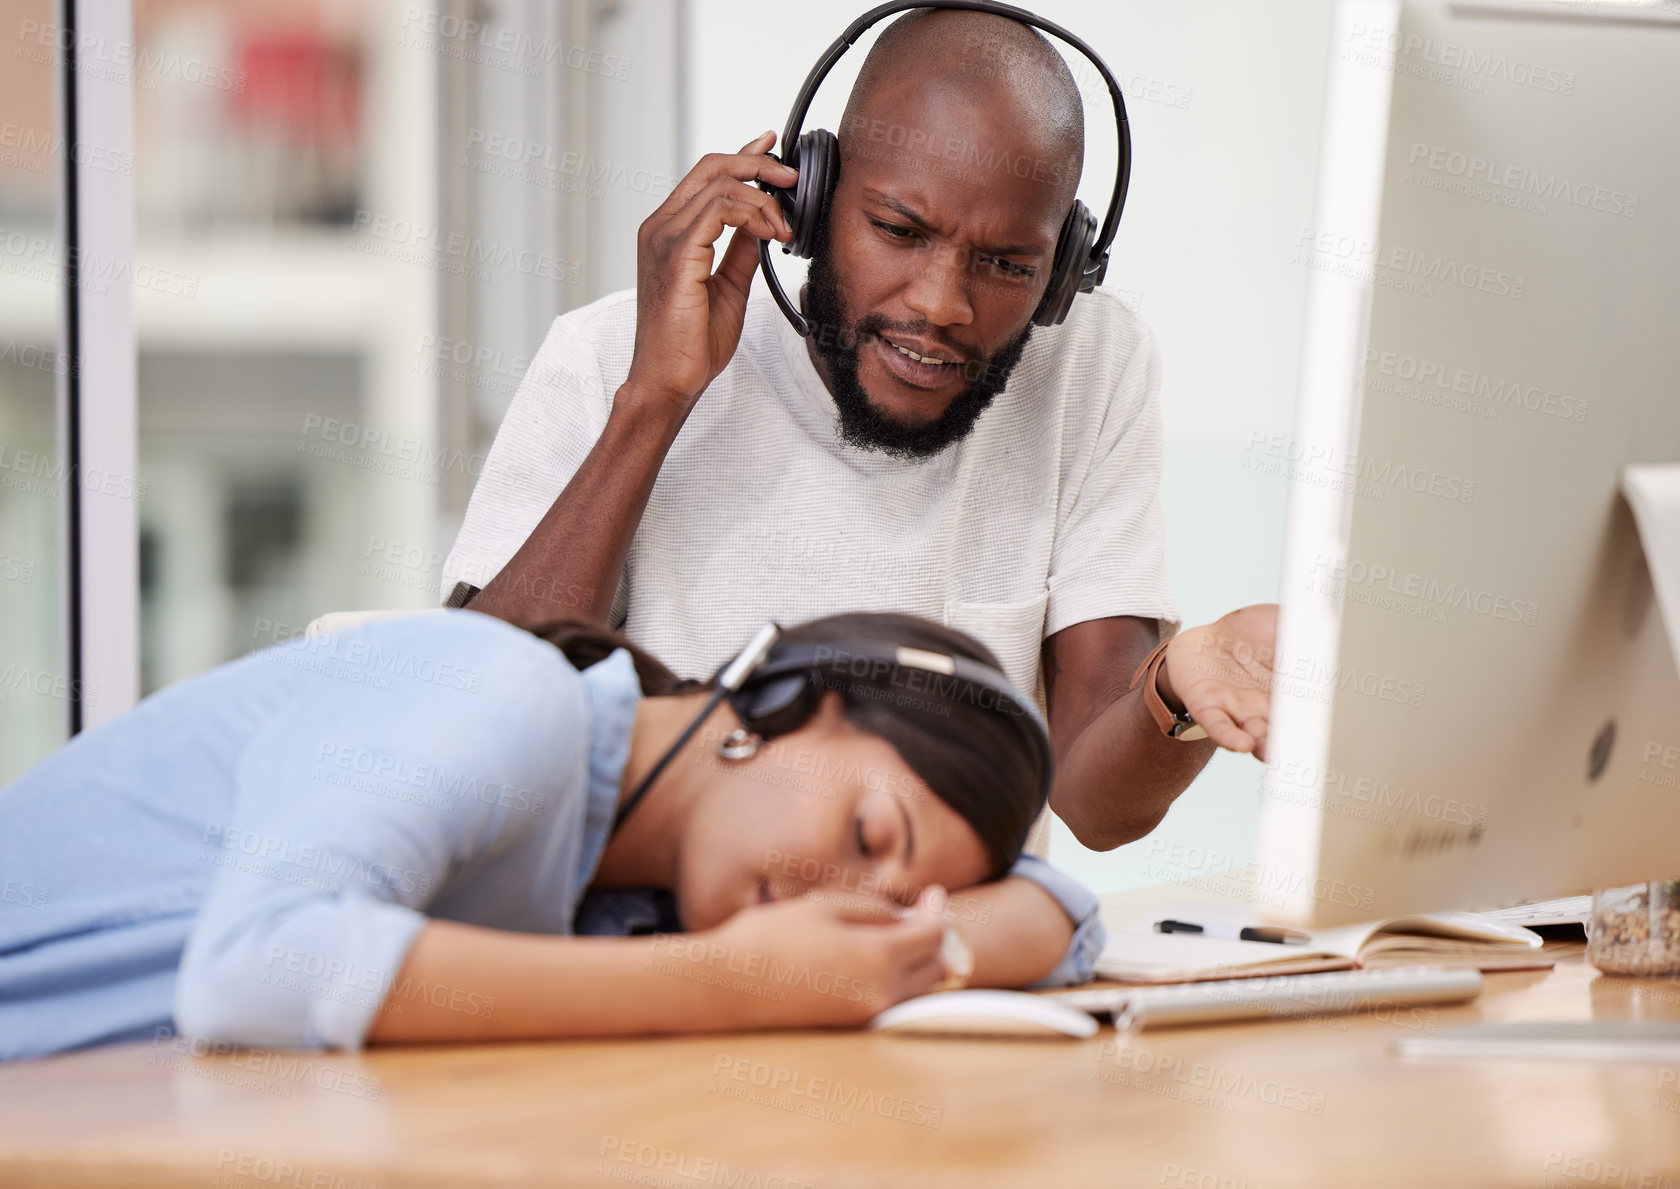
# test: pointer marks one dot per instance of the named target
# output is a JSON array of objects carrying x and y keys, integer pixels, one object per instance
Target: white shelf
[{"x": 290, "y": 290}]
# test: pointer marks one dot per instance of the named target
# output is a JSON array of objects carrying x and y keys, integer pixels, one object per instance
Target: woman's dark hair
[
  {"x": 989, "y": 776},
  {"x": 585, "y": 644}
]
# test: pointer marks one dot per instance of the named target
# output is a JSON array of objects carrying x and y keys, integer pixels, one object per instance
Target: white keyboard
[
  {"x": 1333, "y": 993},
  {"x": 1566, "y": 910}
]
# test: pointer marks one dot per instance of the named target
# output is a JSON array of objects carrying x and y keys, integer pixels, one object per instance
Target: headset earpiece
[
  {"x": 1072, "y": 270},
  {"x": 816, "y": 155},
  {"x": 777, "y": 706}
]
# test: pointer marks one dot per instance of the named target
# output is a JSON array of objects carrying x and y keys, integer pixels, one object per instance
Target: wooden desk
[{"x": 1301, "y": 1102}]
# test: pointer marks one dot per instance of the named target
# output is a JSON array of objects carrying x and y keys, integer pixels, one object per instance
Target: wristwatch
[{"x": 1174, "y": 724}]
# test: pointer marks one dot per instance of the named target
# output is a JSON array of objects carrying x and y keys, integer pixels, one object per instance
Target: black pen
[{"x": 1236, "y": 933}]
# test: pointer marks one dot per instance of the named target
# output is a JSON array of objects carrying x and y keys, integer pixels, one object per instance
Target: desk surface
[{"x": 1291, "y": 1103}]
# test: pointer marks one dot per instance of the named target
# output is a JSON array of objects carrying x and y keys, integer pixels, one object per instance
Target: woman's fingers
[
  {"x": 905, "y": 937},
  {"x": 873, "y": 951},
  {"x": 918, "y": 979},
  {"x": 917, "y": 938},
  {"x": 856, "y": 907}
]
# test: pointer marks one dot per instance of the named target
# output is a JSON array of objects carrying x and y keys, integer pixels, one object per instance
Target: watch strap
[{"x": 1173, "y": 725}]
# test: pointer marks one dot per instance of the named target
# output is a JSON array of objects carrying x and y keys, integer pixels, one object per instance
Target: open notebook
[{"x": 1140, "y": 955}]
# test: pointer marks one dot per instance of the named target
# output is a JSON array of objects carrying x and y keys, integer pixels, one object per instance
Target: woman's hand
[{"x": 826, "y": 959}]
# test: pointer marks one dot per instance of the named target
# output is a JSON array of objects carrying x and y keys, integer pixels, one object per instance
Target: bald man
[{"x": 680, "y": 464}]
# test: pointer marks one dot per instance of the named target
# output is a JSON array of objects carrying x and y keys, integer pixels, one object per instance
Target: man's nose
[{"x": 939, "y": 291}]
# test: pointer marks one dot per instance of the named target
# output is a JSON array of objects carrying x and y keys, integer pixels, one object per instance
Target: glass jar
[{"x": 1636, "y": 930}]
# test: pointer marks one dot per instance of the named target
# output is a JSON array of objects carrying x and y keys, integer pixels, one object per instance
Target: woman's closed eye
[{"x": 878, "y": 835}]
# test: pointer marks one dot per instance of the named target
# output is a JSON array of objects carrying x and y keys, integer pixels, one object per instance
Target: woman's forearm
[
  {"x": 1017, "y": 930},
  {"x": 465, "y": 982}
]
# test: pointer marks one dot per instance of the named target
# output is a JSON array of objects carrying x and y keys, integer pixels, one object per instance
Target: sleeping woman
[{"x": 443, "y": 827}]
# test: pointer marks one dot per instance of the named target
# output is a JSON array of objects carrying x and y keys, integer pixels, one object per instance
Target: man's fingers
[
  {"x": 1223, "y": 731},
  {"x": 1254, "y": 726},
  {"x": 728, "y": 203},
  {"x": 1249, "y": 675},
  {"x": 735, "y": 271},
  {"x": 689, "y": 257},
  {"x": 1237, "y": 721},
  {"x": 742, "y": 167},
  {"x": 1228, "y": 689},
  {"x": 1246, "y": 704}
]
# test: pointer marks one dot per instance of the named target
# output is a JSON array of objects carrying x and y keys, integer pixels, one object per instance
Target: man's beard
[{"x": 861, "y": 424}]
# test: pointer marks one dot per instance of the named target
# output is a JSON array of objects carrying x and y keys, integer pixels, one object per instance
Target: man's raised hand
[
  {"x": 1222, "y": 674},
  {"x": 689, "y": 318}
]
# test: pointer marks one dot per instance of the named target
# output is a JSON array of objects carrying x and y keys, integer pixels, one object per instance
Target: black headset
[
  {"x": 775, "y": 687},
  {"x": 1081, "y": 258}
]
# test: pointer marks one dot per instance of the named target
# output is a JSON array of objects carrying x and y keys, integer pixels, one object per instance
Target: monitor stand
[{"x": 1652, "y": 490}]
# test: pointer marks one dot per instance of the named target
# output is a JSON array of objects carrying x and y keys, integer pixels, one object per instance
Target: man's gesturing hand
[
  {"x": 1222, "y": 674},
  {"x": 688, "y": 318}
]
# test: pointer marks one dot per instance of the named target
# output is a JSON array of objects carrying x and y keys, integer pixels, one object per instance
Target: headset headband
[
  {"x": 869, "y": 663},
  {"x": 765, "y": 659},
  {"x": 948, "y": 679},
  {"x": 1123, "y": 175}
]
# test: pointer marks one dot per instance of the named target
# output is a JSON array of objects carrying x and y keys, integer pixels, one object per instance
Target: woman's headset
[
  {"x": 775, "y": 687},
  {"x": 1081, "y": 258}
]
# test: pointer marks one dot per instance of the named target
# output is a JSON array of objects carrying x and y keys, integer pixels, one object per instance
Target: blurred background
[{"x": 356, "y": 219}]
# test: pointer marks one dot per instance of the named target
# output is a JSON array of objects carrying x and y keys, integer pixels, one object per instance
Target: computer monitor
[{"x": 1477, "y": 700}]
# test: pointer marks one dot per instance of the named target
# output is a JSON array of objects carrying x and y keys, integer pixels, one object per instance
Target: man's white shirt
[{"x": 1046, "y": 515}]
